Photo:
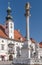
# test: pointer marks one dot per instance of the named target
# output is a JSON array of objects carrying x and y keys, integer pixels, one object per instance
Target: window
[
  {"x": 6, "y": 25},
  {"x": 11, "y": 26},
  {"x": 16, "y": 43},
  {"x": 11, "y": 48},
  {"x": 11, "y": 23},
  {"x": 18, "y": 52},
  {"x": 41, "y": 57},
  {"x": 2, "y": 40},
  {"x": 11, "y": 31},
  {"x": 11, "y": 37},
  {"x": 2, "y": 46},
  {"x": 11, "y": 51}
]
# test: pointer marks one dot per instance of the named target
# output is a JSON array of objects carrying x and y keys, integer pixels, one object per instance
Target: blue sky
[{"x": 18, "y": 11}]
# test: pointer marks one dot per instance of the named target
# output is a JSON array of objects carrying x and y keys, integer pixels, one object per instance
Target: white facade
[
  {"x": 9, "y": 48},
  {"x": 4, "y": 48}
]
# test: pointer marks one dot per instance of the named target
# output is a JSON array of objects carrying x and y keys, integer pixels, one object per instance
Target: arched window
[{"x": 41, "y": 57}]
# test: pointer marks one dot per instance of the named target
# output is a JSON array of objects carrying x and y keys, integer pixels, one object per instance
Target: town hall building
[{"x": 9, "y": 38}]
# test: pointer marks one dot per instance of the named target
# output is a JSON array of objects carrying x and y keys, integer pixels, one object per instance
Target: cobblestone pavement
[{"x": 5, "y": 62}]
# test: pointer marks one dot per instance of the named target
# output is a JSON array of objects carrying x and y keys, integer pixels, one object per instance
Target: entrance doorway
[
  {"x": 2, "y": 57},
  {"x": 10, "y": 57}
]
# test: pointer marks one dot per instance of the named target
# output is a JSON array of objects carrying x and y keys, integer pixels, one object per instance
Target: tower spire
[
  {"x": 8, "y": 4},
  {"x": 9, "y": 12}
]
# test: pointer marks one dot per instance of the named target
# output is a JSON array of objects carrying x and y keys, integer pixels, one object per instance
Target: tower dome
[{"x": 9, "y": 12}]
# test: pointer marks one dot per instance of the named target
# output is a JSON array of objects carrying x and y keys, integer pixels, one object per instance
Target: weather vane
[{"x": 8, "y": 4}]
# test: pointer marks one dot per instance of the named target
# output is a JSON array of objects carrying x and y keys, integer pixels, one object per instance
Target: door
[
  {"x": 10, "y": 57},
  {"x": 2, "y": 58}
]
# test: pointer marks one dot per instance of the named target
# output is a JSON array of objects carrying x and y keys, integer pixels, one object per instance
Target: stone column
[{"x": 27, "y": 14}]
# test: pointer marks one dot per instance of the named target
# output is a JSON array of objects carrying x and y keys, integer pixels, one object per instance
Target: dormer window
[{"x": 19, "y": 38}]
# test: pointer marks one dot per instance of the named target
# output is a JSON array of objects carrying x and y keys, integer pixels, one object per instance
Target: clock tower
[{"x": 9, "y": 28}]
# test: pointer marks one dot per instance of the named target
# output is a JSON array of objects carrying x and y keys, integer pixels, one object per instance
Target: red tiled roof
[
  {"x": 2, "y": 34},
  {"x": 40, "y": 44},
  {"x": 2, "y": 27},
  {"x": 17, "y": 35}
]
